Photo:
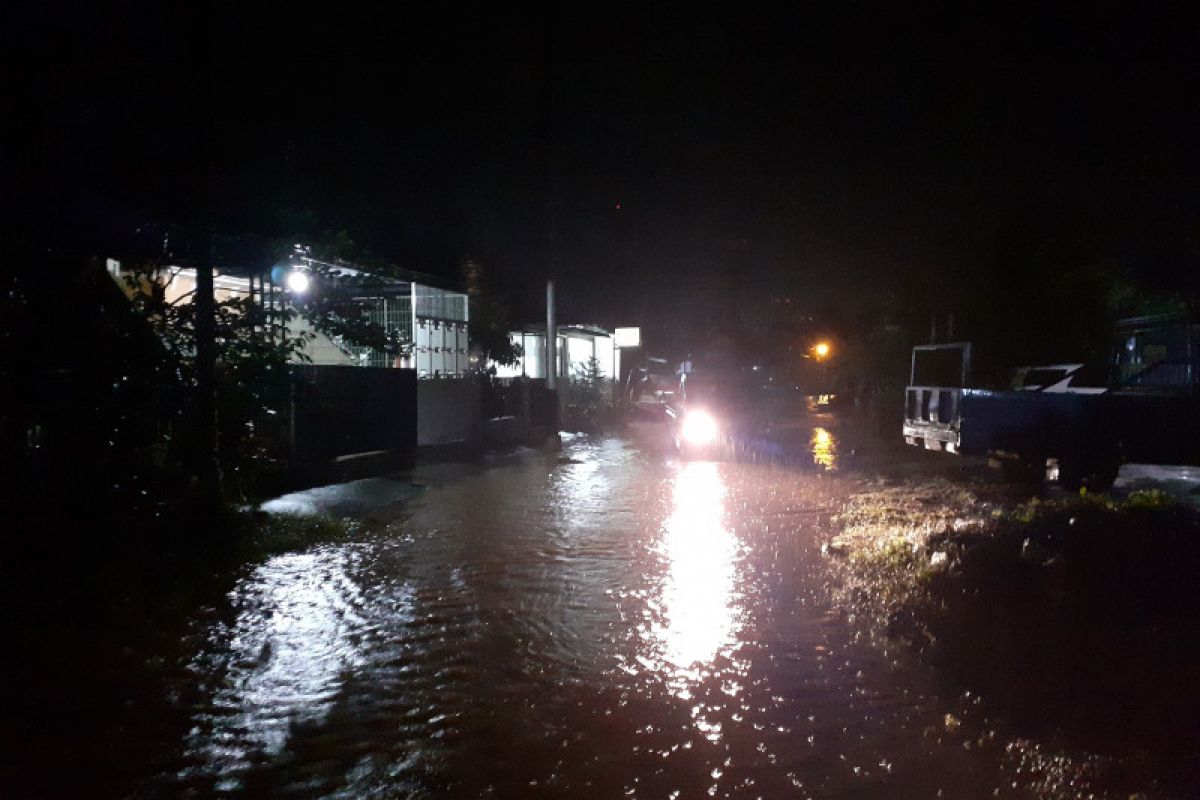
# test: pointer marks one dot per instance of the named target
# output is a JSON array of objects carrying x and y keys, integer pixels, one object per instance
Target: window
[{"x": 1159, "y": 357}]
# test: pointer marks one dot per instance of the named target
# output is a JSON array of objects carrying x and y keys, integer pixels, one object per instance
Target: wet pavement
[{"x": 603, "y": 621}]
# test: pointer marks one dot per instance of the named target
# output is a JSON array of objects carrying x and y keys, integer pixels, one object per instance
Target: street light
[
  {"x": 297, "y": 281},
  {"x": 821, "y": 349}
]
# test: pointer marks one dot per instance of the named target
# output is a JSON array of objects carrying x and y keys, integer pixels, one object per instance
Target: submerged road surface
[{"x": 605, "y": 621}]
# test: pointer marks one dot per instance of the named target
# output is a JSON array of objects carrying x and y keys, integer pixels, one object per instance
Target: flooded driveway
[{"x": 604, "y": 621}]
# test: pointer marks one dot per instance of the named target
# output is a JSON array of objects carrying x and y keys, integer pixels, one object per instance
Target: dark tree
[{"x": 490, "y": 319}]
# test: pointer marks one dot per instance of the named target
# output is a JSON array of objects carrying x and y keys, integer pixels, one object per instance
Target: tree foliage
[
  {"x": 490, "y": 320},
  {"x": 588, "y": 395},
  {"x": 256, "y": 337}
]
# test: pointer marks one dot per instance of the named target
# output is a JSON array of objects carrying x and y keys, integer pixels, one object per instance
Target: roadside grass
[
  {"x": 263, "y": 535},
  {"x": 96, "y": 563},
  {"x": 1075, "y": 619},
  {"x": 882, "y": 542}
]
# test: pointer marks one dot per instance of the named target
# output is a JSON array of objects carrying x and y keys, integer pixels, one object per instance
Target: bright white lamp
[{"x": 297, "y": 282}]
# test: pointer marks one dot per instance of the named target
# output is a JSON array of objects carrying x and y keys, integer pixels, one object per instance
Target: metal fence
[
  {"x": 394, "y": 315},
  {"x": 433, "y": 303}
]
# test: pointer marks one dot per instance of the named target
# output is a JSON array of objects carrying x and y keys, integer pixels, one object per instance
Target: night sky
[{"x": 653, "y": 164}]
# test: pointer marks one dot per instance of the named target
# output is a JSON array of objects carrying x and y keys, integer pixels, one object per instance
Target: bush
[{"x": 588, "y": 395}]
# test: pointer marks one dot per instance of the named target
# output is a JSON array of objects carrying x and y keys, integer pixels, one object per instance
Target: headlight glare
[{"x": 699, "y": 427}]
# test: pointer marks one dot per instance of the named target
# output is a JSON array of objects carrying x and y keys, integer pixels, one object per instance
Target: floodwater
[{"x": 606, "y": 621}]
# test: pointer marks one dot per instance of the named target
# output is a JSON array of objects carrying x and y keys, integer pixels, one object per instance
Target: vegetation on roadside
[
  {"x": 258, "y": 535},
  {"x": 587, "y": 399},
  {"x": 255, "y": 337},
  {"x": 266, "y": 535},
  {"x": 491, "y": 320},
  {"x": 1074, "y": 619},
  {"x": 123, "y": 562}
]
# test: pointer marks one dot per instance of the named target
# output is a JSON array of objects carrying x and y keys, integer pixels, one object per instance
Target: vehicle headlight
[{"x": 699, "y": 427}]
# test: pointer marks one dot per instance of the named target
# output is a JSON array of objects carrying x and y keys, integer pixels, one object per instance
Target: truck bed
[{"x": 981, "y": 421}]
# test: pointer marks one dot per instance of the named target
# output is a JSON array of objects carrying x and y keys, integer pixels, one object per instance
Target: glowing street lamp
[
  {"x": 821, "y": 350},
  {"x": 297, "y": 282}
]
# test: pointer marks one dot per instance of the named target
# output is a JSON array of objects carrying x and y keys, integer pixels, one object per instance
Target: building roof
[
  {"x": 397, "y": 276},
  {"x": 567, "y": 330}
]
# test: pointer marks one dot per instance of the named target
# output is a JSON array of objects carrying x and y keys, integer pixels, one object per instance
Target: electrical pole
[
  {"x": 208, "y": 463},
  {"x": 551, "y": 339}
]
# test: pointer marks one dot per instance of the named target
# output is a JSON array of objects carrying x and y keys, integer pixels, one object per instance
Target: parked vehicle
[
  {"x": 1148, "y": 413},
  {"x": 1054, "y": 378},
  {"x": 653, "y": 382}
]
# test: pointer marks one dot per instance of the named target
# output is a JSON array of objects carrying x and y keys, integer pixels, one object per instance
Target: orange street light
[{"x": 821, "y": 349}]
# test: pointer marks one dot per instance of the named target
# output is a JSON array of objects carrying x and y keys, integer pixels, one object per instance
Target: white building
[
  {"x": 576, "y": 345},
  {"x": 427, "y": 323}
]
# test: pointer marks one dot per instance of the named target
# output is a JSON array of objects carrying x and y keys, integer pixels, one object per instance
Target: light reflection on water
[
  {"x": 581, "y": 486},
  {"x": 824, "y": 448},
  {"x": 586, "y": 624},
  {"x": 698, "y": 595},
  {"x": 283, "y": 659}
]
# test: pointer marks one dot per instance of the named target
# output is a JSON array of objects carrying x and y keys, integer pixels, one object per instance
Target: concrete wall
[
  {"x": 345, "y": 411},
  {"x": 518, "y": 411},
  {"x": 448, "y": 411},
  {"x": 506, "y": 431}
]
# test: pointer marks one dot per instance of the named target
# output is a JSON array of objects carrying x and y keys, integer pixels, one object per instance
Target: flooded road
[{"x": 605, "y": 621}]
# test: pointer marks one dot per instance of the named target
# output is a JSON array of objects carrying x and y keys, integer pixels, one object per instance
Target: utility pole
[
  {"x": 208, "y": 462},
  {"x": 551, "y": 339},
  {"x": 208, "y": 459},
  {"x": 553, "y": 409}
]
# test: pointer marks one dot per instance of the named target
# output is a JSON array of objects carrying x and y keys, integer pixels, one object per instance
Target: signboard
[{"x": 628, "y": 337}]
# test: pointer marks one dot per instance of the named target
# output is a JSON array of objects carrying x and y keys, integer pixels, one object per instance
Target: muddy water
[{"x": 606, "y": 621}]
